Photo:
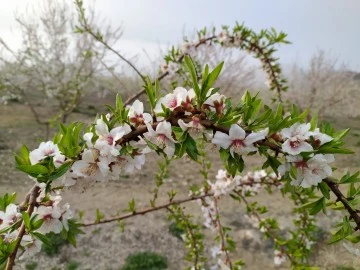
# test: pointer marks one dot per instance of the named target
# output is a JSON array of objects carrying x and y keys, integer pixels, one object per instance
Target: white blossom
[
  {"x": 279, "y": 257},
  {"x": 106, "y": 143},
  {"x": 171, "y": 68},
  {"x": 296, "y": 137},
  {"x": 8, "y": 217},
  {"x": 223, "y": 37},
  {"x": 47, "y": 149},
  {"x": 51, "y": 216},
  {"x": 309, "y": 172},
  {"x": 162, "y": 137},
  {"x": 320, "y": 138},
  {"x": 237, "y": 140},
  {"x": 32, "y": 246},
  {"x": 194, "y": 127},
  {"x": 172, "y": 100},
  {"x": 136, "y": 114},
  {"x": 91, "y": 165},
  {"x": 215, "y": 103}
]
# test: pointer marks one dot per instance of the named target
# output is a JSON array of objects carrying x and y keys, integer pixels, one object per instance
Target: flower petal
[{"x": 236, "y": 132}]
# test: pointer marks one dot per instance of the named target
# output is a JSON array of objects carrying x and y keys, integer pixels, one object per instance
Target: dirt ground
[{"x": 107, "y": 247}]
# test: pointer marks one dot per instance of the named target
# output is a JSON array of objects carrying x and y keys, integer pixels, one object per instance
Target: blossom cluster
[
  {"x": 249, "y": 185},
  {"x": 299, "y": 139},
  {"x": 49, "y": 215},
  {"x": 103, "y": 157}
]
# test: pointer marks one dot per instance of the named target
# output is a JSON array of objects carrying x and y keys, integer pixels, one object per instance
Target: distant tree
[
  {"x": 54, "y": 66},
  {"x": 326, "y": 86}
]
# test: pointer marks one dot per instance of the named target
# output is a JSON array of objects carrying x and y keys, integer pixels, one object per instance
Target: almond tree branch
[
  {"x": 33, "y": 194},
  {"x": 147, "y": 210},
  {"x": 222, "y": 236},
  {"x": 334, "y": 187}
]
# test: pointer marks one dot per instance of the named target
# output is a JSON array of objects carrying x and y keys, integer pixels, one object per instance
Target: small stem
[
  {"x": 147, "y": 210},
  {"x": 222, "y": 236},
  {"x": 34, "y": 193},
  {"x": 334, "y": 187}
]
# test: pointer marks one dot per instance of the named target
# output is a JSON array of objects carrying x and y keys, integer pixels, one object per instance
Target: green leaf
[
  {"x": 99, "y": 216},
  {"x": 316, "y": 206},
  {"x": 347, "y": 178},
  {"x": 313, "y": 122},
  {"x": 190, "y": 66},
  {"x": 26, "y": 220},
  {"x": 6, "y": 200},
  {"x": 339, "y": 135},
  {"x": 33, "y": 170},
  {"x": 191, "y": 148},
  {"x": 324, "y": 190},
  {"x": 343, "y": 232},
  {"x": 42, "y": 238},
  {"x": 132, "y": 206},
  {"x": 57, "y": 173},
  {"x": 23, "y": 157}
]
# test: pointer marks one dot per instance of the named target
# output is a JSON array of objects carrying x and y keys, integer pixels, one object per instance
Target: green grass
[
  {"x": 31, "y": 266},
  {"x": 145, "y": 261}
]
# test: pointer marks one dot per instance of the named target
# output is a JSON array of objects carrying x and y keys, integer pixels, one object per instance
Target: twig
[
  {"x": 334, "y": 187},
  {"x": 34, "y": 193},
  {"x": 222, "y": 236},
  {"x": 147, "y": 210},
  {"x": 194, "y": 243},
  {"x": 257, "y": 216}
]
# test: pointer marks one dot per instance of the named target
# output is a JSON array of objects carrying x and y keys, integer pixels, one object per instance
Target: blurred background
[{"x": 52, "y": 73}]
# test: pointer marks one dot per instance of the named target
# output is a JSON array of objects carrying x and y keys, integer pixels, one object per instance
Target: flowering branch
[{"x": 31, "y": 197}]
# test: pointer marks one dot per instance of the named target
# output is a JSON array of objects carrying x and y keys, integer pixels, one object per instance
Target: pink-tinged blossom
[
  {"x": 47, "y": 149},
  {"x": 296, "y": 137},
  {"x": 187, "y": 47},
  {"x": 320, "y": 138},
  {"x": 172, "y": 100},
  {"x": 51, "y": 217},
  {"x": 106, "y": 142},
  {"x": 223, "y": 184},
  {"x": 279, "y": 257},
  {"x": 31, "y": 246},
  {"x": 88, "y": 139},
  {"x": 215, "y": 103},
  {"x": 136, "y": 114},
  {"x": 311, "y": 172},
  {"x": 66, "y": 215},
  {"x": 223, "y": 37},
  {"x": 8, "y": 217},
  {"x": 127, "y": 164},
  {"x": 171, "y": 68},
  {"x": 194, "y": 127},
  {"x": 162, "y": 137},
  {"x": 237, "y": 140},
  {"x": 91, "y": 165},
  {"x": 69, "y": 179}
]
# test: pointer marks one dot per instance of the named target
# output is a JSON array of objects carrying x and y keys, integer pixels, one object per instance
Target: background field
[{"x": 107, "y": 247}]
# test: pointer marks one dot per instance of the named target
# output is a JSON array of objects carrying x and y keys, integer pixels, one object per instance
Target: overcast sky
[{"x": 330, "y": 25}]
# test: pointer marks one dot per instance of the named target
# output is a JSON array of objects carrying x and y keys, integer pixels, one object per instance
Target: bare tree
[
  {"x": 326, "y": 86},
  {"x": 55, "y": 67}
]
